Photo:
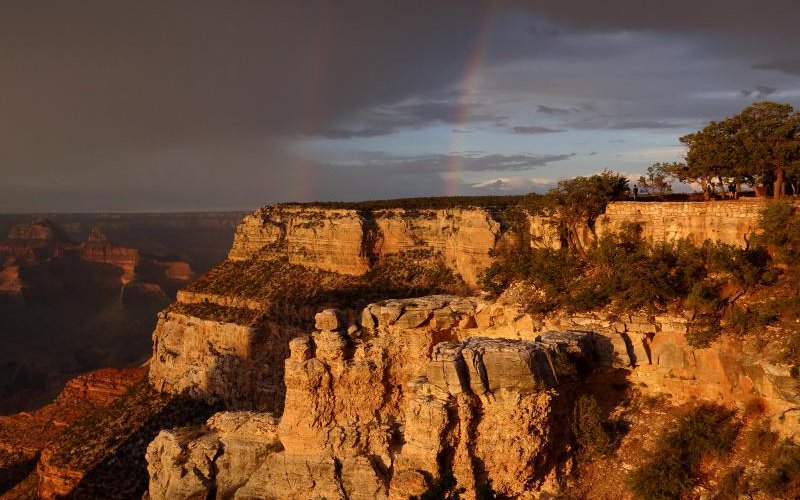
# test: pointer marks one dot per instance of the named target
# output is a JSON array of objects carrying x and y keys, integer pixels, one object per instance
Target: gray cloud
[
  {"x": 192, "y": 103},
  {"x": 534, "y": 129},
  {"x": 627, "y": 125},
  {"x": 788, "y": 66},
  {"x": 760, "y": 91},
  {"x": 384, "y": 120},
  {"x": 554, "y": 111},
  {"x": 443, "y": 163}
]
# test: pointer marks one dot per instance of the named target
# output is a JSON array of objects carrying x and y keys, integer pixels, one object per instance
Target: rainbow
[
  {"x": 312, "y": 112},
  {"x": 303, "y": 185},
  {"x": 469, "y": 83}
]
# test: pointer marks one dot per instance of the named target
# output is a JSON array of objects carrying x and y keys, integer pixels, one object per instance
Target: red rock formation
[
  {"x": 24, "y": 435},
  {"x": 177, "y": 270},
  {"x": 97, "y": 248}
]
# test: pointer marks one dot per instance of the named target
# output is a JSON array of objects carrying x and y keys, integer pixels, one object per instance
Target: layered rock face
[
  {"x": 239, "y": 364},
  {"x": 655, "y": 350},
  {"x": 331, "y": 240},
  {"x": 729, "y": 222},
  {"x": 97, "y": 248},
  {"x": 382, "y": 403},
  {"x": 350, "y": 241},
  {"x": 24, "y": 435},
  {"x": 463, "y": 237},
  {"x": 381, "y": 411}
]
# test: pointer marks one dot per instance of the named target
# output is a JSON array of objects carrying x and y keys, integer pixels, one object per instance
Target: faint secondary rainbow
[
  {"x": 304, "y": 187},
  {"x": 469, "y": 82}
]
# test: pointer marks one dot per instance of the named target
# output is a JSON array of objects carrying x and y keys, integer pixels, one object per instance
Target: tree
[
  {"x": 767, "y": 142},
  {"x": 711, "y": 155},
  {"x": 577, "y": 202},
  {"x": 758, "y": 146},
  {"x": 687, "y": 174},
  {"x": 656, "y": 181}
]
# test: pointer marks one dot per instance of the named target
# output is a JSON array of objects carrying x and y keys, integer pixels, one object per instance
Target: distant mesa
[
  {"x": 40, "y": 231},
  {"x": 41, "y": 248}
]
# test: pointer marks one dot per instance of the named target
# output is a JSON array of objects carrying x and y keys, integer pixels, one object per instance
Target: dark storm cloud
[
  {"x": 113, "y": 77},
  {"x": 178, "y": 104},
  {"x": 788, "y": 66},
  {"x": 534, "y": 129},
  {"x": 385, "y": 120}
]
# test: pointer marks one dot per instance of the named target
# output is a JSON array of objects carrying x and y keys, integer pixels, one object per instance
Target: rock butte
[{"x": 378, "y": 402}]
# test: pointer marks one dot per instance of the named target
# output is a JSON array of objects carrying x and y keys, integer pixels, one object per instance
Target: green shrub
[
  {"x": 674, "y": 468},
  {"x": 781, "y": 476},
  {"x": 733, "y": 485},
  {"x": 744, "y": 320},
  {"x": 760, "y": 438},
  {"x": 590, "y": 428}
]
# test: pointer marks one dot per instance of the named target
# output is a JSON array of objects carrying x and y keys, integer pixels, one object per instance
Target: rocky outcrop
[
  {"x": 39, "y": 233},
  {"x": 24, "y": 435},
  {"x": 655, "y": 350},
  {"x": 97, "y": 248},
  {"x": 331, "y": 240},
  {"x": 103, "y": 454},
  {"x": 382, "y": 410},
  {"x": 382, "y": 403},
  {"x": 223, "y": 455},
  {"x": 729, "y": 222},
  {"x": 349, "y": 241},
  {"x": 239, "y": 364},
  {"x": 177, "y": 270},
  {"x": 464, "y": 237}
]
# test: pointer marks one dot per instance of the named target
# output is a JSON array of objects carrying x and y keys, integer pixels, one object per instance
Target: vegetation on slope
[
  {"x": 625, "y": 272},
  {"x": 675, "y": 465},
  {"x": 283, "y": 285},
  {"x": 108, "y": 446}
]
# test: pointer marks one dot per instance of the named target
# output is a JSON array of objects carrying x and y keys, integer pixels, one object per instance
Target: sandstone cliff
[
  {"x": 350, "y": 241},
  {"x": 729, "y": 222},
  {"x": 388, "y": 399},
  {"x": 383, "y": 410},
  {"x": 422, "y": 388},
  {"x": 97, "y": 248}
]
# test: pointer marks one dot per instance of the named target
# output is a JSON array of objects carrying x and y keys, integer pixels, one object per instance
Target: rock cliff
[
  {"x": 97, "y": 248},
  {"x": 383, "y": 410},
  {"x": 350, "y": 241},
  {"x": 24, "y": 435},
  {"x": 729, "y": 222},
  {"x": 381, "y": 397},
  {"x": 420, "y": 389}
]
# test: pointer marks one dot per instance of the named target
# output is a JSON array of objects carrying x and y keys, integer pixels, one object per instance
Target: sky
[{"x": 172, "y": 105}]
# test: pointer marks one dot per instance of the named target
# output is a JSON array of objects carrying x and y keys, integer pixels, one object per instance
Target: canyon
[
  {"x": 80, "y": 292},
  {"x": 385, "y": 399},
  {"x": 348, "y": 353}
]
